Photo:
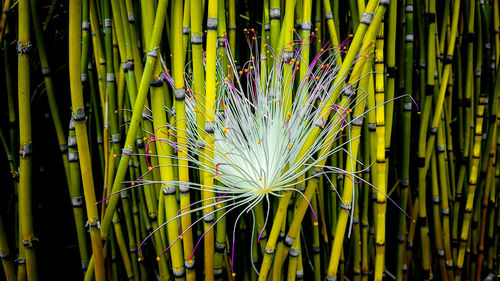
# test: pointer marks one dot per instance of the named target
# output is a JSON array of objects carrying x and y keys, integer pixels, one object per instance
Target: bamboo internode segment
[{"x": 254, "y": 140}]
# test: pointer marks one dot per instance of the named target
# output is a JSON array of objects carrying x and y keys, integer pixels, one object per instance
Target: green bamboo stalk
[
  {"x": 81, "y": 135},
  {"x": 97, "y": 109},
  {"x": 179, "y": 51},
  {"x": 99, "y": 53},
  {"x": 444, "y": 201},
  {"x": 347, "y": 192},
  {"x": 135, "y": 43},
  {"x": 186, "y": 21},
  {"x": 122, "y": 247},
  {"x": 10, "y": 158},
  {"x": 486, "y": 196},
  {"x": 331, "y": 24},
  {"x": 10, "y": 105},
  {"x": 129, "y": 224},
  {"x": 406, "y": 138},
  {"x": 444, "y": 83},
  {"x": 167, "y": 175},
  {"x": 390, "y": 62},
  {"x": 429, "y": 91},
  {"x": 293, "y": 261},
  {"x": 5, "y": 255},
  {"x": 473, "y": 173},
  {"x": 275, "y": 18},
  {"x": 306, "y": 26},
  {"x": 75, "y": 194},
  {"x": 137, "y": 112},
  {"x": 25, "y": 141},
  {"x": 438, "y": 229},
  {"x": 111, "y": 135},
  {"x": 466, "y": 133},
  {"x": 232, "y": 24},
  {"x": 50, "y": 89}
]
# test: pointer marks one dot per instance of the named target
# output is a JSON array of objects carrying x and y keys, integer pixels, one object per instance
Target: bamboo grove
[{"x": 404, "y": 186}]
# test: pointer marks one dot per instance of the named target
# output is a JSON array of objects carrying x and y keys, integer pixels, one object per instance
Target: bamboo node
[
  {"x": 156, "y": 82},
  {"x": 385, "y": 3},
  {"x": 331, "y": 278},
  {"x": 77, "y": 202},
  {"x": 183, "y": 188},
  {"x": 180, "y": 94},
  {"x": 153, "y": 53},
  {"x": 85, "y": 25},
  {"x": 73, "y": 156},
  {"x": 72, "y": 141},
  {"x": 209, "y": 127},
  {"x": 220, "y": 247},
  {"x": 168, "y": 190},
  {"x": 294, "y": 252},
  {"x": 289, "y": 241},
  {"x": 329, "y": 16},
  {"x": 178, "y": 272},
  {"x": 46, "y": 71},
  {"x": 26, "y": 150},
  {"x": 130, "y": 18},
  {"x": 366, "y": 18},
  {"x": 211, "y": 23},
  {"x": 93, "y": 224},
  {"x": 274, "y": 14},
  {"x": 63, "y": 148},
  {"x": 23, "y": 49},
  {"x": 79, "y": 115},
  {"x": 127, "y": 151},
  {"x": 269, "y": 250},
  {"x": 189, "y": 264},
  {"x": 107, "y": 23},
  {"x": 306, "y": 25},
  {"x": 128, "y": 66},
  {"x": 208, "y": 217},
  {"x": 115, "y": 138}
]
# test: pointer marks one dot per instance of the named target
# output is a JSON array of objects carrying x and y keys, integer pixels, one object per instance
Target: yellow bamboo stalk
[
  {"x": 25, "y": 147},
  {"x": 179, "y": 50},
  {"x": 347, "y": 192},
  {"x": 380, "y": 156},
  {"x": 208, "y": 180},
  {"x": 81, "y": 135}
]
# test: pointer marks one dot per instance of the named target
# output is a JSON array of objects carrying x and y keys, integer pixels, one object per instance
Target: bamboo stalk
[
  {"x": 81, "y": 135},
  {"x": 25, "y": 142},
  {"x": 208, "y": 180},
  {"x": 5, "y": 255},
  {"x": 380, "y": 156},
  {"x": 76, "y": 196},
  {"x": 137, "y": 112},
  {"x": 347, "y": 193}
]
